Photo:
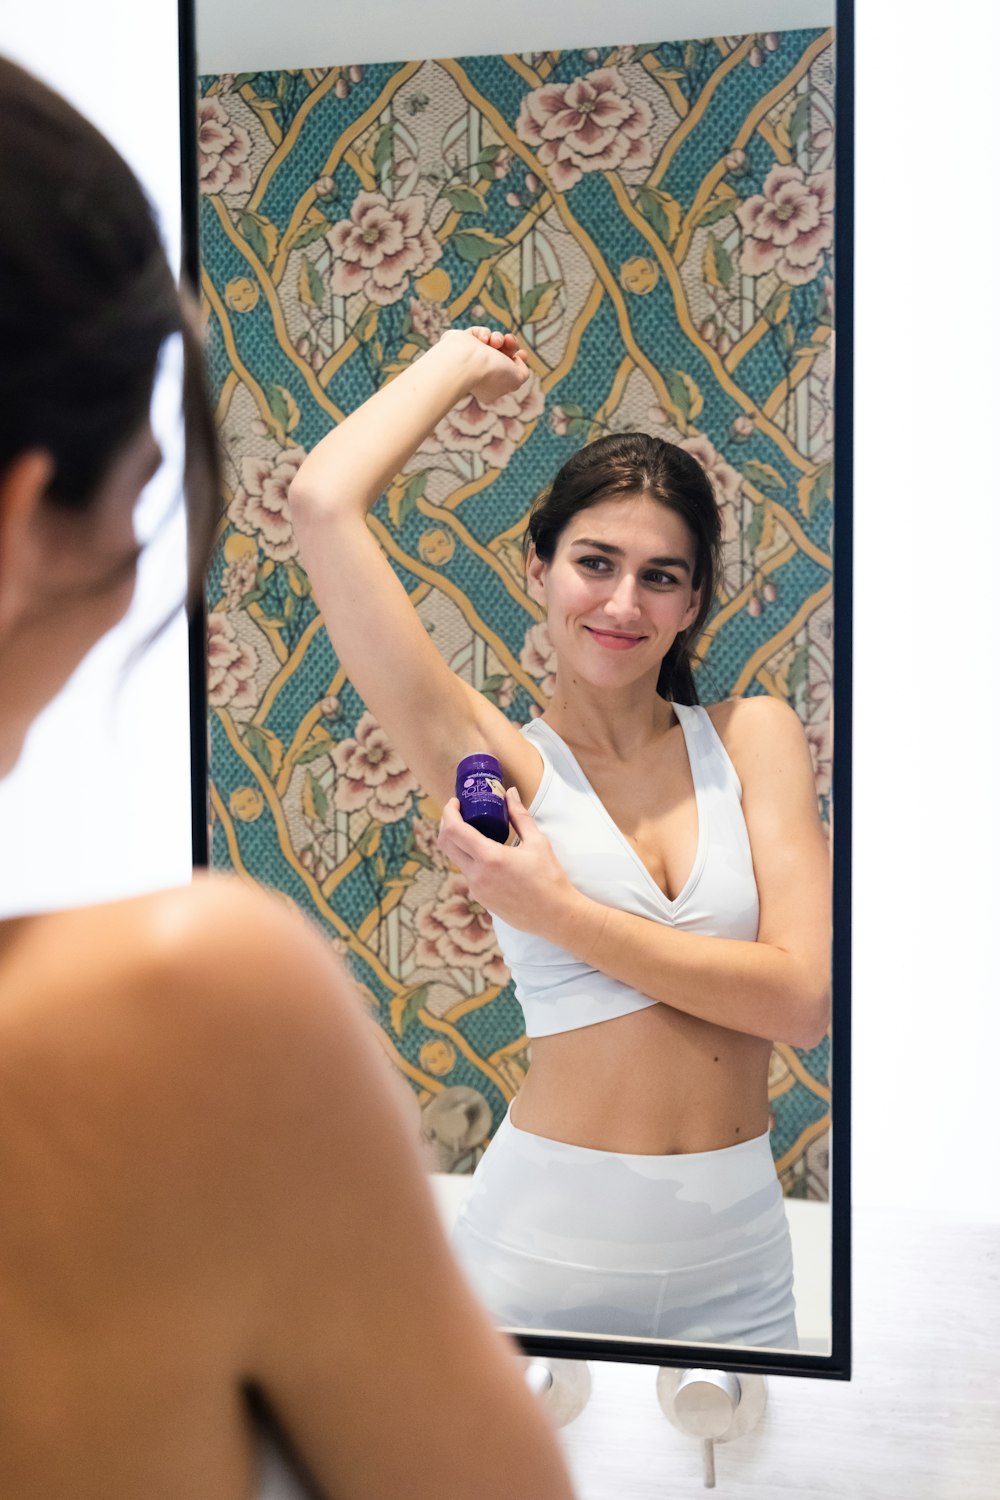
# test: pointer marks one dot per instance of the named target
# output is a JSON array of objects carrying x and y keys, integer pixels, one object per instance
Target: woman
[
  {"x": 214, "y": 1213},
  {"x": 631, "y": 1188}
]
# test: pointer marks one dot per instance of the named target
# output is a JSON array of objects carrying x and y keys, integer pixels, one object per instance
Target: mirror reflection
[{"x": 523, "y": 366}]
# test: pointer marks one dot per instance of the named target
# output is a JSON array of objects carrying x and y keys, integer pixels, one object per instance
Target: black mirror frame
[{"x": 837, "y": 1364}]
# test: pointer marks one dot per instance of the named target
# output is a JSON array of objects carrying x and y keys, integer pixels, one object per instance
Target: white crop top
[{"x": 556, "y": 991}]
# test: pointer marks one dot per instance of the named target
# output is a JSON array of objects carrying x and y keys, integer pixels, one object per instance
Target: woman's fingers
[{"x": 497, "y": 339}]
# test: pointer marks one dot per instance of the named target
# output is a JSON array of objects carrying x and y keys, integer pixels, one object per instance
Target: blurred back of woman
[{"x": 215, "y": 1213}]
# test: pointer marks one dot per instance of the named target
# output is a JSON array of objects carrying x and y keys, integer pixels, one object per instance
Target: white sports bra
[{"x": 556, "y": 991}]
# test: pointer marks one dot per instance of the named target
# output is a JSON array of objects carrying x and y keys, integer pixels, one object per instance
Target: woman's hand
[
  {"x": 523, "y": 884},
  {"x": 499, "y": 365}
]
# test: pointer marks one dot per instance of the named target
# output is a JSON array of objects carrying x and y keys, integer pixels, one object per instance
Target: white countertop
[{"x": 920, "y": 1420}]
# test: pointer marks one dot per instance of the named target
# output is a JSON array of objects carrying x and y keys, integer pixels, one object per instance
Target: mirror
[{"x": 646, "y": 200}]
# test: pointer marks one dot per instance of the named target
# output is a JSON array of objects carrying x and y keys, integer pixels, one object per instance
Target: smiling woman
[{"x": 633, "y": 790}]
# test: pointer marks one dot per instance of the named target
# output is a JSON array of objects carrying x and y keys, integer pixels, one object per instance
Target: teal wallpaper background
[{"x": 656, "y": 223}]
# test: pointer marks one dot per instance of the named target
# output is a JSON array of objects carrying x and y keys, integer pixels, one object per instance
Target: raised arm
[{"x": 429, "y": 714}]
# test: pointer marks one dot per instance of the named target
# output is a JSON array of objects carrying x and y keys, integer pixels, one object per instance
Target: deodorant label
[{"x": 481, "y": 796}]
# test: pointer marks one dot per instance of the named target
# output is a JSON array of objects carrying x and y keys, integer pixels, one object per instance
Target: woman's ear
[
  {"x": 691, "y": 613},
  {"x": 23, "y": 487},
  {"x": 534, "y": 572}
]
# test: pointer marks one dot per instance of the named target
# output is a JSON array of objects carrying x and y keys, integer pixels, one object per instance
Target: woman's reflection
[{"x": 666, "y": 911}]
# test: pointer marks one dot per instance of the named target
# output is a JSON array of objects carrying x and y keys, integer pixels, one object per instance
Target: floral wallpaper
[{"x": 656, "y": 224}]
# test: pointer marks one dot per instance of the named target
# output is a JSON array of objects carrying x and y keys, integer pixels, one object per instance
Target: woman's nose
[{"x": 623, "y": 601}]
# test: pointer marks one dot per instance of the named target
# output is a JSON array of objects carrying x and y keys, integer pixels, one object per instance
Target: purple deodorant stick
[{"x": 481, "y": 798}]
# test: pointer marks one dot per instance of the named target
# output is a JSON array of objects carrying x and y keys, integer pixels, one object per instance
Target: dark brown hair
[
  {"x": 634, "y": 463},
  {"x": 87, "y": 300}
]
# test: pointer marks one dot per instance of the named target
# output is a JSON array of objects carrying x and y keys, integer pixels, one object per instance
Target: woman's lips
[{"x": 614, "y": 642}]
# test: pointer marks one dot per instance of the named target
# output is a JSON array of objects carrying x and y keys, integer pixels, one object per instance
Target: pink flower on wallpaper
[
  {"x": 380, "y": 247},
  {"x": 372, "y": 775},
  {"x": 538, "y": 657},
  {"x": 223, "y": 149},
  {"x": 588, "y": 125},
  {"x": 238, "y": 578},
  {"x": 725, "y": 481},
  {"x": 425, "y": 842},
  {"x": 789, "y": 226},
  {"x": 492, "y": 431},
  {"x": 231, "y": 665},
  {"x": 454, "y": 931},
  {"x": 260, "y": 506},
  {"x": 429, "y": 319}
]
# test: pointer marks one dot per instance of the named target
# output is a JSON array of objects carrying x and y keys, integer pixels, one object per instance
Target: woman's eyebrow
[{"x": 658, "y": 562}]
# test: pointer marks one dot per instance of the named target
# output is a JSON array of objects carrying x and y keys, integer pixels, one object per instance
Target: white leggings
[{"x": 692, "y": 1247}]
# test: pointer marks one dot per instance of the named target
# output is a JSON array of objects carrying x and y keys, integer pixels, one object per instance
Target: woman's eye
[
  {"x": 665, "y": 578},
  {"x": 586, "y": 561}
]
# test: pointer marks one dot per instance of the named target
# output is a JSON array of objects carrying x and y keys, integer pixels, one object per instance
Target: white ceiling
[{"x": 234, "y": 37}]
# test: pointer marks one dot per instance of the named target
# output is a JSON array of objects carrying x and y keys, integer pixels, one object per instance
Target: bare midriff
[{"x": 656, "y": 1082}]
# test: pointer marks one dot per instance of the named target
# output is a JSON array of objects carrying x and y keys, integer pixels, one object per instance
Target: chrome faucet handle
[
  {"x": 561, "y": 1385},
  {"x": 713, "y": 1405}
]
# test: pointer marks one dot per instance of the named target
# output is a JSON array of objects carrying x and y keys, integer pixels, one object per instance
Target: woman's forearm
[
  {"x": 353, "y": 464},
  {"x": 755, "y": 988}
]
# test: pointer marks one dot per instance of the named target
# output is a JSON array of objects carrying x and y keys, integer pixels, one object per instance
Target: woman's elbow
[{"x": 812, "y": 1021}]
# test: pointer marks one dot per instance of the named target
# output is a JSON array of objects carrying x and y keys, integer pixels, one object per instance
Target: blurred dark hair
[
  {"x": 633, "y": 463},
  {"x": 87, "y": 300}
]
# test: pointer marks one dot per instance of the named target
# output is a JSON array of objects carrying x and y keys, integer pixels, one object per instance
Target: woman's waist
[{"x": 633, "y": 1086}]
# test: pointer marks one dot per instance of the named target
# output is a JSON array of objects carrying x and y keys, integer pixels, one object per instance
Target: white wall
[
  {"x": 927, "y": 973},
  {"x": 98, "y": 806}
]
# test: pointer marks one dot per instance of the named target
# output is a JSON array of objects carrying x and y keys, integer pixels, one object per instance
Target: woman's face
[
  {"x": 618, "y": 589},
  {"x": 65, "y": 579}
]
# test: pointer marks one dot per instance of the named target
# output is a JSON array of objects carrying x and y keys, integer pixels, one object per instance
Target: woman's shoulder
[
  {"x": 755, "y": 726},
  {"x": 152, "y": 961}
]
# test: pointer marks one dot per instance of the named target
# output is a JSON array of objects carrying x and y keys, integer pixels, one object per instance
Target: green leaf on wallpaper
[
  {"x": 310, "y": 285},
  {"x": 264, "y": 746},
  {"x": 312, "y": 751},
  {"x": 383, "y": 147},
  {"x": 722, "y": 208},
  {"x": 278, "y": 406},
  {"x": 242, "y": 79},
  {"x": 369, "y": 840},
  {"x": 718, "y": 265},
  {"x": 693, "y": 55},
  {"x": 498, "y": 291},
  {"x": 315, "y": 802},
  {"x": 490, "y": 153},
  {"x": 251, "y": 597},
  {"x": 260, "y": 234},
  {"x": 638, "y": 53},
  {"x": 367, "y": 324},
  {"x": 413, "y": 490},
  {"x": 309, "y": 234},
  {"x": 476, "y": 244},
  {"x": 404, "y": 1007},
  {"x": 662, "y": 211},
  {"x": 753, "y": 529},
  {"x": 537, "y": 301},
  {"x": 798, "y": 670},
  {"x": 464, "y": 201},
  {"x": 298, "y": 580},
  {"x": 684, "y": 393},
  {"x": 763, "y": 477},
  {"x": 815, "y": 488},
  {"x": 799, "y": 120},
  {"x": 776, "y": 307}
]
